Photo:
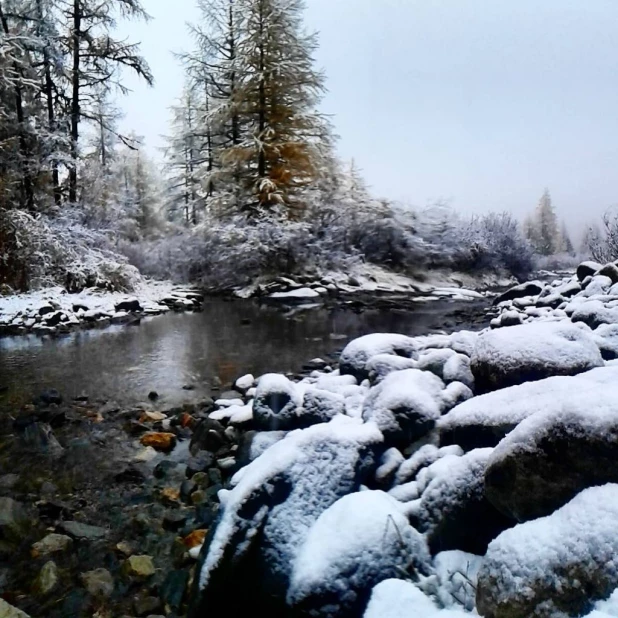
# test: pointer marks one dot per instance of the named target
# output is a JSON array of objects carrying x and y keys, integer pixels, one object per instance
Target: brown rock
[
  {"x": 195, "y": 539},
  {"x": 159, "y": 441}
]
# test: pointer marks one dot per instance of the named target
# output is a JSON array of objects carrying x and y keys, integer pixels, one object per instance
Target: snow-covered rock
[
  {"x": 517, "y": 354},
  {"x": 530, "y": 288},
  {"x": 405, "y": 405},
  {"x": 396, "y": 598},
  {"x": 453, "y": 510},
  {"x": 277, "y": 403},
  {"x": 320, "y": 406},
  {"x": 554, "y": 566},
  {"x": 362, "y": 539},
  {"x": 353, "y": 359},
  {"x": 587, "y": 269},
  {"x": 425, "y": 456},
  {"x": 457, "y": 575},
  {"x": 594, "y": 313},
  {"x": 300, "y": 294},
  {"x": 606, "y": 337},
  {"x": 553, "y": 455},
  {"x": 272, "y": 504},
  {"x": 380, "y": 365}
]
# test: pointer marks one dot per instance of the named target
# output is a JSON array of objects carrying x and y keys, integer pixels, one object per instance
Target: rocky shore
[
  {"x": 54, "y": 310},
  {"x": 440, "y": 476}
]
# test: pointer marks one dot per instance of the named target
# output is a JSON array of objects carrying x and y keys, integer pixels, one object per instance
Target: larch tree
[
  {"x": 566, "y": 245},
  {"x": 280, "y": 90},
  {"x": 542, "y": 228}
]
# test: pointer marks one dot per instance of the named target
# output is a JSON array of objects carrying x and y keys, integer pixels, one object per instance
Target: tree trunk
[
  {"x": 75, "y": 109},
  {"x": 27, "y": 193},
  {"x": 262, "y": 100}
]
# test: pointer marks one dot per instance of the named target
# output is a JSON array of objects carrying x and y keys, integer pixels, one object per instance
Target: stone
[
  {"x": 51, "y": 544},
  {"x": 139, "y": 567},
  {"x": 209, "y": 436},
  {"x": 82, "y": 531},
  {"x": 552, "y": 456},
  {"x": 195, "y": 539},
  {"x": 453, "y": 511},
  {"x": 587, "y": 269},
  {"x": 159, "y": 441},
  {"x": 244, "y": 383},
  {"x": 170, "y": 495},
  {"x": 174, "y": 589},
  {"x": 530, "y": 288},
  {"x": 125, "y": 548},
  {"x": 200, "y": 462},
  {"x": 128, "y": 306},
  {"x": 8, "y": 611},
  {"x": 555, "y": 566},
  {"x": 153, "y": 395},
  {"x": 8, "y": 481},
  {"x": 14, "y": 521},
  {"x": 174, "y": 520},
  {"x": 145, "y": 606},
  {"x": 517, "y": 354},
  {"x": 46, "y": 581},
  {"x": 99, "y": 583},
  {"x": 50, "y": 396},
  {"x": 152, "y": 417},
  {"x": 609, "y": 270}
]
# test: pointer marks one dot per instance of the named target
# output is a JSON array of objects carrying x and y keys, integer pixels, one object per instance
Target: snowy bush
[{"x": 603, "y": 245}]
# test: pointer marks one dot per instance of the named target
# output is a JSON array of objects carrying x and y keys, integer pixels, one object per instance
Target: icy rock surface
[
  {"x": 554, "y": 566},
  {"x": 277, "y": 404},
  {"x": 516, "y": 354},
  {"x": 359, "y": 541}
]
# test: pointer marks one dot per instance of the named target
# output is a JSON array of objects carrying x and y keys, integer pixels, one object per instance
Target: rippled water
[{"x": 227, "y": 339}]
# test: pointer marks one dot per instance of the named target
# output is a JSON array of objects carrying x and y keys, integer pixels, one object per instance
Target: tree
[
  {"x": 542, "y": 228},
  {"x": 96, "y": 58},
  {"x": 565, "y": 240}
]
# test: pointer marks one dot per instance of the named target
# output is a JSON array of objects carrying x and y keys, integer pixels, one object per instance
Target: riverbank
[
  {"x": 54, "y": 310},
  {"x": 382, "y": 481}
]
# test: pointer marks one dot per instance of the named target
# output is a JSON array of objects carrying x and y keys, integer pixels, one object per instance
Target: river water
[{"x": 199, "y": 350}]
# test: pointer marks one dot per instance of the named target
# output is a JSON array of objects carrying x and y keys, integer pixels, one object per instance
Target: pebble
[
  {"x": 195, "y": 538},
  {"x": 145, "y": 455},
  {"x": 99, "y": 583},
  {"x": 170, "y": 495},
  {"x": 82, "y": 531},
  {"x": 139, "y": 566},
  {"x": 124, "y": 548},
  {"x": 51, "y": 544},
  {"x": 152, "y": 417},
  {"x": 174, "y": 520},
  {"x": 13, "y": 519},
  {"x": 144, "y": 606},
  {"x": 8, "y": 611},
  {"x": 159, "y": 441},
  {"x": 46, "y": 581}
]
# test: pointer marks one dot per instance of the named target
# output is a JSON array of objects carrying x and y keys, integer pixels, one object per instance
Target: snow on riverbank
[
  {"x": 434, "y": 454},
  {"x": 53, "y": 309}
]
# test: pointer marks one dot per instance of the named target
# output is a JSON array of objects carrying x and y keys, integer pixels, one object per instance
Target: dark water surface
[{"x": 226, "y": 340}]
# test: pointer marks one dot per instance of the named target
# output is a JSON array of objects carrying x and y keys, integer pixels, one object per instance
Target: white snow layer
[{"x": 360, "y": 540}]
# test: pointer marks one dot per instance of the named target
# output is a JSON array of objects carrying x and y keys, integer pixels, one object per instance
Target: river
[{"x": 200, "y": 350}]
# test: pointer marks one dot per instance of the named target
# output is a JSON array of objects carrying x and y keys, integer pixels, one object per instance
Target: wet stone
[
  {"x": 14, "y": 521},
  {"x": 8, "y": 611},
  {"x": 145, "y": 606},
  {"x": 140, "y": 567},
  {"x": 174, "y": 520},
  {"x": 98, "y": 583},
  {"x": 174, "y": 588},
  {"x": 51, "y": 544},
  {"x": 82, "y": 531},
  {"x": 46, "y": 581}
]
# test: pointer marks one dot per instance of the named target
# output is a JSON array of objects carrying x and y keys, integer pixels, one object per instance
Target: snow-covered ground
[
  {"x": 53, "y": 309},
  {"x": 371, "y": 279},
  {"x": 445, "y": 475}
]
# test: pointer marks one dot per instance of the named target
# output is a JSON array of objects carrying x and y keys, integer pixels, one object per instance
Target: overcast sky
[{"x": 482, "y": 102}]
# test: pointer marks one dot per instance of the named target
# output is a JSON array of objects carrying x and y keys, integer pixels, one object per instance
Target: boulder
[
  {"x": 453, "y": 510},
  {"x": 554, "y": 566},
  {"x": 517, "y": 354},
  {"x": 606, "y": 337},
  {"x": 361, "y": 540},
  {"x": 320, "y": 406},
  {"x": 485, "y": 420},
  {"x": 530, "y": 288},
  {"x": 380, "y": 365},
  {"x": 587, "y": 269},
  {"x": 277, "y": 404},
  {"x": 405, "y": 405},
  {"x": 609, "y": 270},
  {"x": 8, "y": 611},
  {"x": 424, "y": 457},
  {"x": 14, "y": 520},
  {"x": 553, "y": 455},
  {"x": 266, "y": 515},
  {"x": 51, "y": 544},
  {"x": 594, "y": 313},
  {"x": 129, "y": 305},
  {"x": 46, "y": 581},
  {"x": 353, "y": 359}
]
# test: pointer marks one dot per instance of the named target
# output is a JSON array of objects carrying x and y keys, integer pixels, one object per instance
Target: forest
[{"x": 249, "y": 183}]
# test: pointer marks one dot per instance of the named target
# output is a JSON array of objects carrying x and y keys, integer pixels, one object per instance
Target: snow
[
  {"x": 396, "y": 598},
  {"x": 605, "y": 608},
  {"x": 562, "y": 560},
  {"x": 516, "y": 354},
  {"x": 98, "y": 302},
  {"x": 321, "y": 463},
  {"x": 353, "y": 359},
  {"x": 389, "y": 463},
  {"x": 405, "y": 405},
  {"x": 361, "y": 539},
  {"x": 299, "y": 294},
  {"x": 425, "y": 456},
  {"x": 457, "y": 574},
  {"x": 277, "y": 403},
  {"x": 380, "y": 365},
  {"x": 244, "y": 383},
  {"x": 319, "y": 406}
]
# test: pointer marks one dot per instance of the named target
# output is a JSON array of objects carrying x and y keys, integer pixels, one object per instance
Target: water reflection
[{"x": 165, "y": 353}]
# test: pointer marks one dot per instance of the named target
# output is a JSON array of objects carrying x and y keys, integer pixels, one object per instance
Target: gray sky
[{"x": 482, "y": 102}]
